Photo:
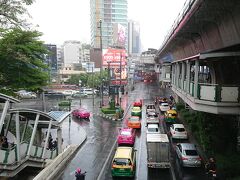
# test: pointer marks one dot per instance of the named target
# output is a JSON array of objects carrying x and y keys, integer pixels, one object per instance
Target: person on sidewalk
[
  {"x": 211, "y": 166},
  {"x": 79, "y": 175}
]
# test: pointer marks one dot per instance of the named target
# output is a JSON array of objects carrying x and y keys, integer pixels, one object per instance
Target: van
[
  {"x": 124, "y": 162},
  {"x": 87, "y": 91}
]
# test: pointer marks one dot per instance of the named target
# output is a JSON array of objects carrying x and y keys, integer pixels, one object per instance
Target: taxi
[
  {"x": 124, "y": 162},
  {"x": 136, "y": 111},
  {"x": 138, "y": 103},
  {"x": 81, "y": 113},
  {"x": 134, "y": 122},
  {"x": 126, "y": 136},
  {"x": 170, "y": 116}
]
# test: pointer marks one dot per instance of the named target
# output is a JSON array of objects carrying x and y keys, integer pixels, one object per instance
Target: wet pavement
[{"x": 96, "y": 154}]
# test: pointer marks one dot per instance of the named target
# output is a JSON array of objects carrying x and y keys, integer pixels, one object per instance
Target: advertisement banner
[{"x": 114, "y": 57}]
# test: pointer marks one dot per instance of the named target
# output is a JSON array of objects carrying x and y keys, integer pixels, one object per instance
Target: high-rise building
[
  {"x": 51, "y": 61},
  {"x": 72, "y": 52},
  {"x": 134, "y": 41},
  {"x": 104, "y": 15}
]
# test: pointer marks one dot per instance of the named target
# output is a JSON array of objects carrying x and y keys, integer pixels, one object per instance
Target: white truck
[{"x": 158, "y": 151}]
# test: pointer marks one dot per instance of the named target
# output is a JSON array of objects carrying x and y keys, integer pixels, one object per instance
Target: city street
[{"x": 96, "y": 154}]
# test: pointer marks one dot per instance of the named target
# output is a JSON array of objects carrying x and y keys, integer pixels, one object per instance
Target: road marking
[
  {"x": 139, "y": 155},
  {"x": 107, "y": 160}
]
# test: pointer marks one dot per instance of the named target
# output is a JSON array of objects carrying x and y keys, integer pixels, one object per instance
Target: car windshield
[
  {"x": 191, "y": 152},
  {"x": 152, "y": 129},
  {"x": 123, "y": 162},
  {"x": 179, "y": 129},
  {"x": 126, "y": 133},
  {"x": 134, "y": 119},
  {"x": 163, "y": 104}
]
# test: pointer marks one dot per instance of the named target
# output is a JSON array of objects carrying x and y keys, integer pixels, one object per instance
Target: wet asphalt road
[{"x": 96, "y": 154}]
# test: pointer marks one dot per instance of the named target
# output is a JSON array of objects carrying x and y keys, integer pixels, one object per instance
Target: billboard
[
  {"x": 119, "y": 35},
  {"x": 114, "y": 57}
]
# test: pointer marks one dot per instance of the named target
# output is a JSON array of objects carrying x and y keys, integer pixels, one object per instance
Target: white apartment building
[{"x": 72, "y": 52}]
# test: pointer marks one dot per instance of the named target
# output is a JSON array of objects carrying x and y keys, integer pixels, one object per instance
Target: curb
[{"x": 54, "y": 168}]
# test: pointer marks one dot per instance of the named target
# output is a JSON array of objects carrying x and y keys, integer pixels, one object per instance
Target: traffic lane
[
  {"x": 101, "y": 135},
  {"x": 182, "y": 173}
]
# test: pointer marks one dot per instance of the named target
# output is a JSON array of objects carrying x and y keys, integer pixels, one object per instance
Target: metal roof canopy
[
  {"x": 4, "y": 98},
  {"x": 57, "y": 117}
]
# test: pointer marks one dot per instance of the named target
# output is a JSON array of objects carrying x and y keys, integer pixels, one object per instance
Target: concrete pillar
[
  {"x": 33, "y": 134},
  {"x": 183, "y": 75},
  {"x": 196, "y": 70},
  {"x": 177, "y": 75},
  {"x": 39, "y": 136},
  {"x": 18, "y": 136},
  {"x": 3, "y": 115},
  {"x": 47, "y": 139},
  {"x": 188, "y": 76},
  {"x": 59, "y": 140},
  {"x": 172, "y": 74}
]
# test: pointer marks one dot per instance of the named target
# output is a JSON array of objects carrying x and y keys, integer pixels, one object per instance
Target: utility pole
[
  {"x": 93, "y": 87},
  {"x": 101, "y": 64},
  {"x": 80, "y": 83}
]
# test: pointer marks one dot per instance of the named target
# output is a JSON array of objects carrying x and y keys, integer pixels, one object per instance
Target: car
[
  {"x": 178, "y": 131},
  {"x": 136, "y": 111},
  {"x": 124, "y": 162},
  {"x": 159, "y": 100},
  {"x": 23, "y": 94},
  {"x": 134, "y": 122},
  {"x": 164, "y": 106},
  {"x": 170, "y": 116},
  {"x": 126, "y": 136},
  {"x": 78, "y": 95},
  {"x": 152, "y": 117},
  {"x": 138, "y": 103},
  {"x": 81, "y": 113},
  {"x": 153, "y": 129},
  {"x": 188, "y": 155},
  {"x": 150, "y": 107}
]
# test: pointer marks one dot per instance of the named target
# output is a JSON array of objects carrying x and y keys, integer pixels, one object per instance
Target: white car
[
  {"x": 163, "y": 107},
  {"x": 26, "y": 94},
  {"x": 178, "y": 131},
  {"x": 153, "y": 129}
]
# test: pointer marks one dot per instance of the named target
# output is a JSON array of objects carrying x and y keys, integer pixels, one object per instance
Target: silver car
[{"x": 188, "y": 155}]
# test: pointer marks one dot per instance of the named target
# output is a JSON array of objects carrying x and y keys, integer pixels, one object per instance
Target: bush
[
  {"x": 109, "y": 111},
  {"x": 229, "y": 165},
  {"x": 180, "y": 106}
]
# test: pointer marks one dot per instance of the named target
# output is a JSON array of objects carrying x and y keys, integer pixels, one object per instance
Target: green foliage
[
  {"x": 64, "y": 103},
  {"x": 108, "y": 111},
  {"x": 229, "y": 164},
  {"x": 21, "y": 57},
  {"x": 180, "y": 106},
  {"x": 12, "y": 11},
  {"x": 89, "y": 79}
]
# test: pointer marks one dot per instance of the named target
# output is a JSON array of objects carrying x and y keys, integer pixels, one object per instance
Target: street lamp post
[
  {"x": 80, "y": 83},
  {"x": 101, "y": 64}
]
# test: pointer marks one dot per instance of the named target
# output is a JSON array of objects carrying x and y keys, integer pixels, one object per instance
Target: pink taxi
[
  {"x": 126, "y": 136},
  {"x": 81, "y": 113}
]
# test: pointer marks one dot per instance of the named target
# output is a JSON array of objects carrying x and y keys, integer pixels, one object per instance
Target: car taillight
[
  {"x": 199, "y": 159},
  {"x": 184, "y": 158}
]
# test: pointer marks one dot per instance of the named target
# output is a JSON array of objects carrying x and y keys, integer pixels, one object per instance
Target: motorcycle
[{"x": 80, "y": 176}]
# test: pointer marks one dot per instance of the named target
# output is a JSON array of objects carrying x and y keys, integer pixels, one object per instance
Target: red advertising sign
[{"x": 114, "y": 57}]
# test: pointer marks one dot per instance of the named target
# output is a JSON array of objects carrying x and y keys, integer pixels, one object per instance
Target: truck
[{"x": 158, "y": 151}]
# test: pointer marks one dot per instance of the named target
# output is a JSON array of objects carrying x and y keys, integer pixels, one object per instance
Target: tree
[
  {"x": 21, "y": 60},
  {"x": 11, "y": 11}
]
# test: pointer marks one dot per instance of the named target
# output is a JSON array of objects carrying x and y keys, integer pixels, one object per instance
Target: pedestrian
[{"x": 5, "y": 143}]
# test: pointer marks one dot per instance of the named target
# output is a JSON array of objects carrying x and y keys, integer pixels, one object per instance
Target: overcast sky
[{"x": 61, "y": 20}]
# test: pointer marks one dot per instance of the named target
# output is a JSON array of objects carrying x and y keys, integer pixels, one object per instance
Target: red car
[
  {"x": 138, "y": 103},
  {"x": 126, "y": 136},
  {"x": 81, "y": 113}
]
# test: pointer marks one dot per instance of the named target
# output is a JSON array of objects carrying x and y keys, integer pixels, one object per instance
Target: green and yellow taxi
[
  {"x": 170, "y": 116},
  {"x": 124, "y": 162},
  {"x": 136, "y": 111}
]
